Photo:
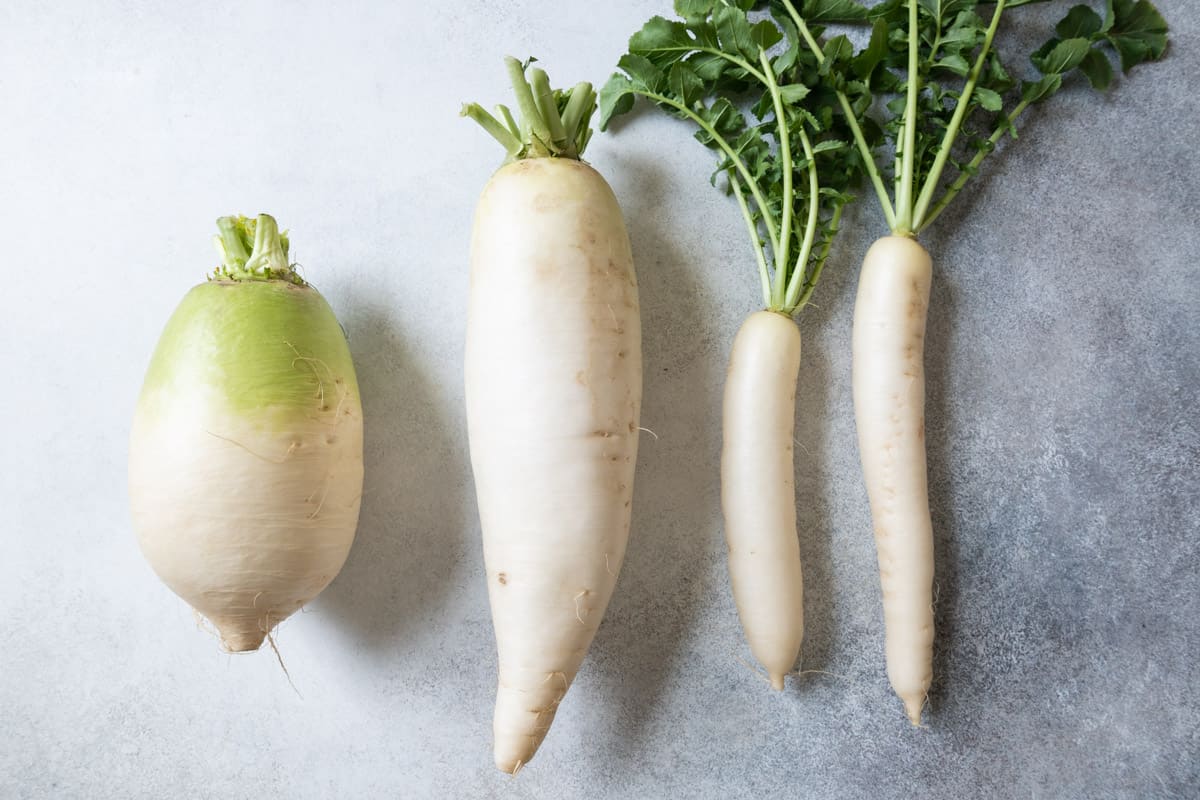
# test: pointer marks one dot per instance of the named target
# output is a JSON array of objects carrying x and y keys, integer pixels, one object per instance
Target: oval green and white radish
[
  {"x": 553, "y": 389},
  {"x": 245, "y": 461},
  {"x": 786, "y": 171},
  {"x": 937, "y": 63}
]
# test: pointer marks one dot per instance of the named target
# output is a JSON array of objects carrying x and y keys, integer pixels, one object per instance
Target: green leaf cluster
[
  {"x": 758, "y": 98},
  {"x": 942, "y": 82},
  {"x": 1135, "y": 30}
]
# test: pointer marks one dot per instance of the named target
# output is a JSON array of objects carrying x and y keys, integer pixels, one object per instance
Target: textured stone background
[{"x": 1062, "y": 430}]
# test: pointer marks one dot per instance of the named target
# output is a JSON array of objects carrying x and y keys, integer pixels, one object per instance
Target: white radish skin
[
  {"x": 757, "y": 489},
  {"x": 889, "y": 408},
  {"x": 553, "y": 389},
  {"x": 245, "y": 558}
]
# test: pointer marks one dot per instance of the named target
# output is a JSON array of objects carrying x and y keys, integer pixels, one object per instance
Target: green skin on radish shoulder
[{"x": 272, "y": 350}]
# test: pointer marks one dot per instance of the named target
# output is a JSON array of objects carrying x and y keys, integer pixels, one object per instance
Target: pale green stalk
[
  {"x": 860, "y": 140},
  {"x": 752, "y": 228},
  {"x": 904, "y": 191},
  {"x": 965, "y": 175},
  {"x": 785, "y": 155},
  {"x": 960, "y": 111},
  {"x": 735, "y": 159},
  {"x": 814, "y": 206}
]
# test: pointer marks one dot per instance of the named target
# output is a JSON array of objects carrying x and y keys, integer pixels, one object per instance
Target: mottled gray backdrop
[{"x": 1062, "y": 423}]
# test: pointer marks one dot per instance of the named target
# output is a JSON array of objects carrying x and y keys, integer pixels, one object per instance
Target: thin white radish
[
  {"x": 787, "y": 172},
  {"x": 245, "y": 462},
  {"x": 757, "y": 489},
  {"x": 553, "y": 388},
  {"x": 893, "y": 292},
  {"x": 889, "y": 405}
]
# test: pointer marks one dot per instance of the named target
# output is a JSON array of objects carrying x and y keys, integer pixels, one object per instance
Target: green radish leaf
[
  {"x": 1059, "y": 57},
  {"x": 616, "y": 98},
  {"x": 1138, "y": 32},
  {"x": 765, "y": 35},
  {"x": 790, "y": 56},
  {"x": 735, "y": 32},
  {"x": 711, "y": 68},
  {"x": 1097, "y": 68},
  {"x": 990, "y": 100},
  {"x": 876, "y": 50},
  {"x": 839, "y": 48},
  {"x": 954, "y": 63},
  {"x": 662, "y": 41},
  {"x": 996, "y": 76},
  {"x": 1110, "y": 16},
  {"x": 793, "y": 92},
  {"x": 642, "y": 71},
  {"x": 694, "y": 10},
  {"x": 829, "y": 144},
  {"x": 685, "y": 84},
  {"x": 964, "y": 34},
  {"x": 724, "y": 118},
  {"x": 1036, "y": 91},
  {"x": 822, "y": 11},
  {"x": 1080, "y": 21}
]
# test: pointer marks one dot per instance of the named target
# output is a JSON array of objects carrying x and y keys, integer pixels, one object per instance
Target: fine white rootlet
[
  {"x": 553, "y": 389},
  {"x": 889, "y": 407},
  {"x": 757, "y": 489},
  {"x": 245, "y": 463}
]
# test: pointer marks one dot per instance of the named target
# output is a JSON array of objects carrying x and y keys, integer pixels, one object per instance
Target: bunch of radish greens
[{"x": 799, "y": 120}]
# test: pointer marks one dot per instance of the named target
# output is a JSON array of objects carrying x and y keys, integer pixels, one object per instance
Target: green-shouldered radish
[
  {"x": 553, "y": 390},
  {"x": 245, "y": 460}
]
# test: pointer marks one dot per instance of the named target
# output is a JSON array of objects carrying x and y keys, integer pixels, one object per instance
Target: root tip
[
  {"x": 777, "y": 681},
  {"x": 912, "y": 707},
  {"x": 242, "y": 642},
  {"x": 509, "y": 766}
]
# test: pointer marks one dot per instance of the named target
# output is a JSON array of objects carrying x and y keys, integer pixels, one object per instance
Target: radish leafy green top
[
  {"x": 797, "y": 121},
  {"x": 753, "y": 91},
  {"x": 554, "y": 123},
  {"x": 933, "y": 66}
]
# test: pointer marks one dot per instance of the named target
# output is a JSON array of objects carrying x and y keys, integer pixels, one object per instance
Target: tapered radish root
[
  {"x": 889, "y": 408},
  {"x": 553, "y": 388},
  {"x": 757, "y": 493}
]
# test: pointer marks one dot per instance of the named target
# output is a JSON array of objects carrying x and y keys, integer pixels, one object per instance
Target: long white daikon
[
  {"x": 553, "y": 389},
  {"x": 245, "y": 461},
  {"x": 787, "y": 169},
  {"x": 932, "y": 65}
]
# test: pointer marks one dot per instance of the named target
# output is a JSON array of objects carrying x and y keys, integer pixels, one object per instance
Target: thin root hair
[
  {"x": 291, "y": 449},
  {"x": 279, "y": 658},
  {"x": 757, "y": 672}
]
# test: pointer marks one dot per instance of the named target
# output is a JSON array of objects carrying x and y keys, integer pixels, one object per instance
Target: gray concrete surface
[{"x": 1062, "y": 428}]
